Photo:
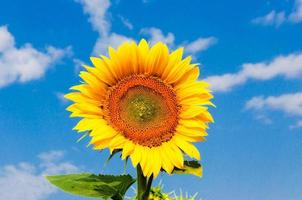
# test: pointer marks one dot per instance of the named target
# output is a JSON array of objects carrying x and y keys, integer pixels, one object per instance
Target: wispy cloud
[
  {"x": 126, "y": 22},
  {"x": 296, "y": 15},
  {"x": 26, "y": 181},
  {"x": 25, "y": 63},
  {"x": 97, "y": 10},
  {"x": 113, "y": 40},
  {"x": 191, "y": 47},
  {"x": 298, "y": 124},
  {"x": 264, "y": 118},
  {"x": 200, "y": 44},
  {"x": 78, "y": 64},
  {"x": 156, "y": 35},
  {"x": 98, "y": 17},
  {"x": 290, "y": 104},
  {"x": 274, "y": 18},
  {"x": 289, "y": 67},
  {"x": 61, "y": 98}
]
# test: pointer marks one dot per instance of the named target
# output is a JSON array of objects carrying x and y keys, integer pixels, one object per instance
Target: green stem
[
  {"x": 149, "y": 184},
  {"x": 143, "y": 185}
]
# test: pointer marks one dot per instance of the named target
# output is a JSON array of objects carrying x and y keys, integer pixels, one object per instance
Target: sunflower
[{"x": 145, "y": 102}]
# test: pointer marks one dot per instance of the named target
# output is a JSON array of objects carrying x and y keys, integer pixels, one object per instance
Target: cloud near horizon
[{"x": 27, "y": 181}]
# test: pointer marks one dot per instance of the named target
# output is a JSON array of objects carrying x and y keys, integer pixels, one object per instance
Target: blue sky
[{"x": 251, "y": 52}]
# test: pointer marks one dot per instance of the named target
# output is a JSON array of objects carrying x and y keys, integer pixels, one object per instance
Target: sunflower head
[{"x": 146, "y": 102}]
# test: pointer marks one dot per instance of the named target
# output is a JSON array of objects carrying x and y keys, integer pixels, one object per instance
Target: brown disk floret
[{"x": 143, "y": 109}]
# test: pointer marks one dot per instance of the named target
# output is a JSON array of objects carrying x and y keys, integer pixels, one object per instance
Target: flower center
[
  {"x": 140, "y": 107},
  {"x": 143, "y": 109}
]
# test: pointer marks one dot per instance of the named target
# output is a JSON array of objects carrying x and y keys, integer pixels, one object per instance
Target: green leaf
[
  {"x": 190, "y": 167},
  {"x": 90, "y": 185}
]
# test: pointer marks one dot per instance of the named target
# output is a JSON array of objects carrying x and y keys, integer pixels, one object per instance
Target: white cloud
[
  {"x": 78, "y": 64},
  {"x": 296, "y": 15},
  {"x": 51, "y": 156},
  {"x": 289, "y": 67},
  {"x": 7, "y": 41},
  {"x": 272, "y": 18},
  {"x": 27, "y": 181},
  {"x": 156, "y": 35},
  {"x": 225, "y": 82},
  {"x": 98, "y": 11},
  {"x": 25, "y": 63},
  {"x": 298, "y": 124},
  {"x": 113, "y": 40},
  {"x": 290, "y": 104},
  {"x": 200, "y": 44},
  {"x": 287, "y": 103},
  {"x": 264, "y": 119},
  {"x": 61, "y": 98},
  {"x": 126, "y": 22}
]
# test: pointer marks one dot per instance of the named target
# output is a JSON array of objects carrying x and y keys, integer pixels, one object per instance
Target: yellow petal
[
  {"x": 189, "y": 77},
  {"x": 187, "y": 147},
  {"x": 157, "y": 59},
  {"x": 88, "y": 124},
  {"x": 193, "y": 123},
  {"x": 174, "y": 154},
  {"x": 198, "y": 89},
  {"x": 128, "y": 149},
  {"x": 117, "y": 142},
  {"x": 101, "y": 144},
  {"x": 112, "y": 65},
  {"x": 89, "y": 92},
  {"x": 136, "y": 155},
  {"x": 196, "y": 101},
  {"x": 146, "y": 161},
  {"x": 174, "y": 58},
  {"x": 95, "y": 83},
  {"x": 85, "y": 108},
  {"x": 102, "y": 132},
  {"x": 127, "y": 58},
  {"x": 191, "y": 111},
  {"x": 179, "y": 70},
  {"x": 103, "y": 72},
  {"x": 205, "y": 117},
  {"x": 167, "y": 164},
  {"x": 190, "y": 138},
  {"x": 81, "y": 98},
  {"x": 134, "y": 52},
  {"x": 143, "y": 50},
  {"x": 157, "y": 163},
  {"x": 191, "y": 131}
]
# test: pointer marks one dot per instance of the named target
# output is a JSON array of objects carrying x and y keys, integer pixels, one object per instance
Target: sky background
[{"x": 251, "y": 52}]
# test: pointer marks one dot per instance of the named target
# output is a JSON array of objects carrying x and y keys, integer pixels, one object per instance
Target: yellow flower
[{"x": 146, "y": 102}]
